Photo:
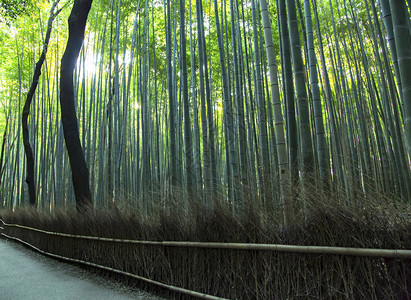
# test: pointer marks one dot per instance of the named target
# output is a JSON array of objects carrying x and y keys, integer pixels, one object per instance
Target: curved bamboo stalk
[
  {"x": 30, "y": 179},
  {"x": 80, "y": 174}
]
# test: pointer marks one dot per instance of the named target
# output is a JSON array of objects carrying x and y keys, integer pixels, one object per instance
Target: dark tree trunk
[
  {"x": 26, "y": 109},
  {"x": 80, "y": 175},
  {"x": 3, "y": 145}
]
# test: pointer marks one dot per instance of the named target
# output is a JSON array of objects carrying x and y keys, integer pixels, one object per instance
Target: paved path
[{"x": 26, "y": 275}]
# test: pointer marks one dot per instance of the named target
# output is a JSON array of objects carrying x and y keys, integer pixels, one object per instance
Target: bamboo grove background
[{"x": 234, "y": 101}]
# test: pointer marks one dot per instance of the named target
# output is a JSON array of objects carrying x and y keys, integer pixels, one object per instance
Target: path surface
[{"x": 26, "y": 275}]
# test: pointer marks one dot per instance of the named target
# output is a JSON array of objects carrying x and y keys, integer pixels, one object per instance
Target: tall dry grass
[{"x": 368, "y": 221}]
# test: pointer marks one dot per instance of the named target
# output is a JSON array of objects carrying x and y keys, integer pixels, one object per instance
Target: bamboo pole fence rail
[
  {"x": 141, "y": 278},
  {"x": 369, "y": 252}
]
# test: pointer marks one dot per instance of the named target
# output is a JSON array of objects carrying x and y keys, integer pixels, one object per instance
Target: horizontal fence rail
[
  {"x": 369, "y": 252},
  {"x": 79, "y": 261}
]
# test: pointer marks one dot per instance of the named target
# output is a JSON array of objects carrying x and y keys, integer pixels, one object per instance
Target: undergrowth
[{"x": 371, "y": 221}]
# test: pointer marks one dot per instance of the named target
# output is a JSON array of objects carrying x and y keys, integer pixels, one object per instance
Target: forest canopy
[{"x": 11, "y": 9}]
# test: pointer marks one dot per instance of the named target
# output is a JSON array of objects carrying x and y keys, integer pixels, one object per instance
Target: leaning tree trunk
[
  {"x": 26, "y": 109},
  {"x": 80, "y": 176}
]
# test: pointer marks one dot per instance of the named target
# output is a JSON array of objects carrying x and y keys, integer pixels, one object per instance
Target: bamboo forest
[
  {"x": 243, "y": 112},
  {"x": 237, "y": 99}
]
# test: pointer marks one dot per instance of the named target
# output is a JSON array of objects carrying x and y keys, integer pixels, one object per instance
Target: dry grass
[{"x": 368, "y": 222}]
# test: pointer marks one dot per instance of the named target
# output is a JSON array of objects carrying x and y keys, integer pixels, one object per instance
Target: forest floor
[{"x": 25, "y": 274}]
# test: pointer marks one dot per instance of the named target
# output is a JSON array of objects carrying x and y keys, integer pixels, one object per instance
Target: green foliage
[{"x": 11, "y": 9}]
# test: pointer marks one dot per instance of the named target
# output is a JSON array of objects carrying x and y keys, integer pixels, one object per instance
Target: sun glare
[
  {"x": 91, "y": 64},
  {"x": 136, "y": 106}
]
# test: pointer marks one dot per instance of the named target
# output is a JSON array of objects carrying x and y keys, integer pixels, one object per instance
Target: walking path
[{"x": 26, "y": 275}]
